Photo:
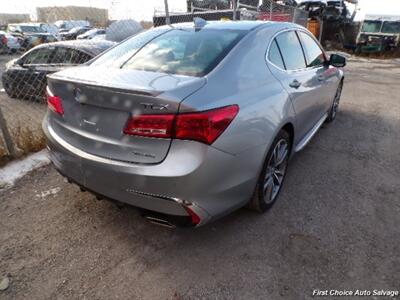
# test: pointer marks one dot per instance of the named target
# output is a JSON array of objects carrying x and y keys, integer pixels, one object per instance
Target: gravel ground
[{"x": 335, "y": 226}]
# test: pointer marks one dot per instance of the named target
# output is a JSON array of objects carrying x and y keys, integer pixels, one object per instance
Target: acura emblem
[{"x": 77, "y": 94}]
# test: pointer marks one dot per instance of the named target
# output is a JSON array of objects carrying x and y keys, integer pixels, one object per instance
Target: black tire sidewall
[
  {"x": 331, "y": 116},
  {"x": 259, "y": 197}
]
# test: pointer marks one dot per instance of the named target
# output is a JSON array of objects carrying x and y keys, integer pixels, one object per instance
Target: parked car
[
  {"x": 122, "y": 29},
  {"x": 315, "y": 8},
  {"x": 8, "y": 43},
  {"x": 88, "y": 35},
  {"x": 99, "y": 37},
  {"x": 32, "y": 34},
  {"x": 52, "y": 29},
  {"x": 25, "y": 77},
  {"x": 73, "y": 33},
  {"x": 69, "y": 24},
  {"x": 192, "y": 122}
]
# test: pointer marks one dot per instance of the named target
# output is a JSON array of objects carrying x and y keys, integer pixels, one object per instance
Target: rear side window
[
  {"x": 291, "y": 50},
  {"x": 62, "y": 56},
  {"x": 185, "y": 52},
  {"x": 274, "y": 55},
  {"x": 79, "y": 57},
  {"x": 314, "y": 54}
]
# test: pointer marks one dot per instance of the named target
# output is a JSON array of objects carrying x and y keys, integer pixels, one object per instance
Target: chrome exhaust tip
[{"x": 160, "y": 222}]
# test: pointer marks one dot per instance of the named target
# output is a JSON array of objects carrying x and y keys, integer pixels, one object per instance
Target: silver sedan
[{"x": 193, "y": 121}]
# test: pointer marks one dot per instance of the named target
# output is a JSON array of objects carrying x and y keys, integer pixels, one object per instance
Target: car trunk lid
[{"x": 98, "y": 102}]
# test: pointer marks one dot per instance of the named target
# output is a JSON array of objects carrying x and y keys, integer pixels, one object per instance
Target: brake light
[
  {"x": 150, "y": 125},
  {"x": 4, "y": 40},
  {"x": 204, "y": 126},
  {"x": 54, "y": 102}
]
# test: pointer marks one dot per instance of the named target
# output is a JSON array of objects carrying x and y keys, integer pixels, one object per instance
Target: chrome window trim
[{"x": 295, "y": 70}]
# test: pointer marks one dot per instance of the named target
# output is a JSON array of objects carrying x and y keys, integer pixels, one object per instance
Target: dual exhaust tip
[
  {"x": 160, "y": 222},
  {"x": 164, "y": 220},
  {"x": 168, "y": 221}
]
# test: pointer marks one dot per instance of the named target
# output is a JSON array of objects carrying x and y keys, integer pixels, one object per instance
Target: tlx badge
[{"x": 154, "y": 106}]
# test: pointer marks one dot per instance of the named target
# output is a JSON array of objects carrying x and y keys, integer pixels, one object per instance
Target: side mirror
[
  {"x": 337, "y": 60},
  {"x": 20, "y": 61}
]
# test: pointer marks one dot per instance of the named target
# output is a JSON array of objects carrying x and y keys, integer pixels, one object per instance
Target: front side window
[
  {"x": 391, "y": 27},
  {"x": 68, "y": 56},
  {"x": 291, "y": 50},
  {"x": 39, "y": 56},
  {"x": 314, "y": 54},
  {"x": 185, "y": 52},
  {"x": 371, "y": 26}
]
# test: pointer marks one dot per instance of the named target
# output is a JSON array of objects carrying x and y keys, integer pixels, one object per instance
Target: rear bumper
[
  {"x": 14, "y": 46},
  {"x": 193, "y": 175}
]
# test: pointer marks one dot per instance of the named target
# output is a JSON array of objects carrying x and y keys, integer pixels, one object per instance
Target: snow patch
[{"x": 19, "y": 168}]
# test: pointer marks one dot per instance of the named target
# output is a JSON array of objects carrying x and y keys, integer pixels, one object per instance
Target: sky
[{"x": 144, "y": 9}]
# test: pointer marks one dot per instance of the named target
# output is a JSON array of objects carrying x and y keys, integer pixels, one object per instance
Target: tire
[
  {"x": 273, "y": 174},
  {"x": 335, "y": 105},
  {"x": 10, "y": 92}
]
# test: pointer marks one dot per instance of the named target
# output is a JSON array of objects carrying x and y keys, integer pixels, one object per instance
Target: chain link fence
[
  {"x": 38, "y": 41},
  {"x": 267, "y": 10}
]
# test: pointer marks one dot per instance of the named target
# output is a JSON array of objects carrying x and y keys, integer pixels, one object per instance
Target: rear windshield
[{"x": 183, "y": 52}]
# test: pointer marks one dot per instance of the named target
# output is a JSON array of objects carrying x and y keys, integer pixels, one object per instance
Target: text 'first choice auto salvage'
[{"x": 355, "y": 293}]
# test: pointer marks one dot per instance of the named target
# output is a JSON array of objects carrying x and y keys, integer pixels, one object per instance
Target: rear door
[{"x": 289, "y": 66}]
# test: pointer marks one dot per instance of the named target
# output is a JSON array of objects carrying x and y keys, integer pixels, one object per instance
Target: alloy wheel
[{"x": 276, "y": 170}]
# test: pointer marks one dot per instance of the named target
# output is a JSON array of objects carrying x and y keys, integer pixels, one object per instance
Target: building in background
[
  {"x": 96, "y": 16},
  {"x": 14, "y": 18}
]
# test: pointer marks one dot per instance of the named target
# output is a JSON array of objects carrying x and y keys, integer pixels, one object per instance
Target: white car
[
  {"x": 99, "y": 37},
  {"x": 88, "y": 35},
  {"x": 8, "y": 42}
]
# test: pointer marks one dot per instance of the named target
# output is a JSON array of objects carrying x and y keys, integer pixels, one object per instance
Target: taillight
[
  {"x": 54, "y": 102},
  {"x": 204, "y": 126},
  {"x": 4, "y": 40},
  {"x": 150, "y": 125}
]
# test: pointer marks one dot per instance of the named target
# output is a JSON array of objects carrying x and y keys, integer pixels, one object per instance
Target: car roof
[
  {"x": 224, "y": 25},
  {"x": 92, "y": 47},
  {"x": 235, "y": 25},
  {"x": 26, "y": 24}
]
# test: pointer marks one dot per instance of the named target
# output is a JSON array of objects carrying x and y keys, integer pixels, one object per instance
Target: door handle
[{"x": 295, "y": 84}]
